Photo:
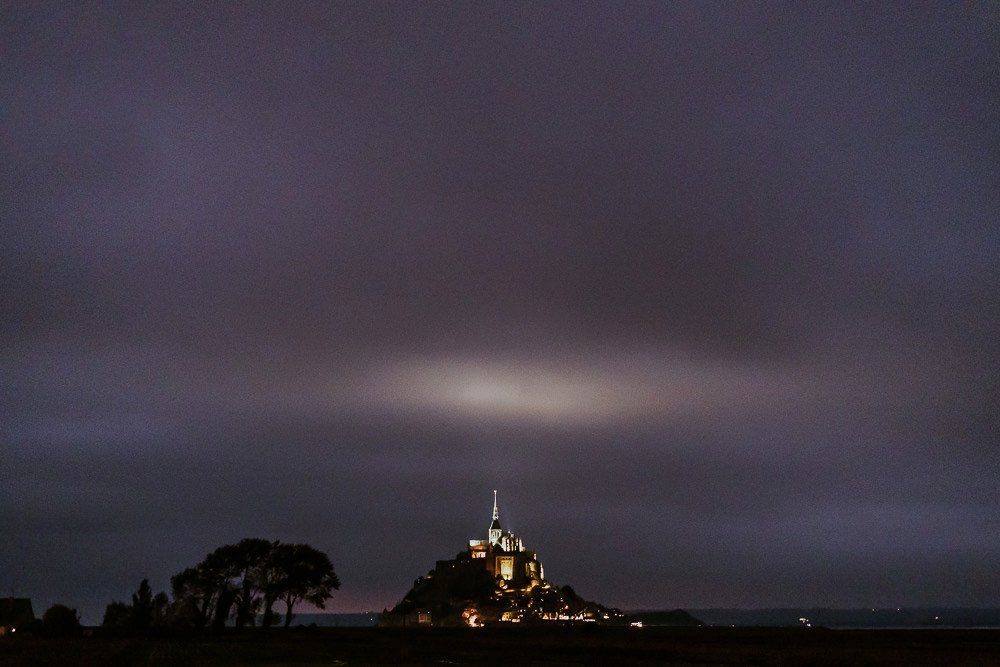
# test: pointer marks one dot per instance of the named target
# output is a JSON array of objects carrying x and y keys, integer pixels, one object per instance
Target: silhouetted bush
[
  {"x": 117, "y": 617},
  {"x": 61, "y": 621},
  {"x": 147, "y": 613}
]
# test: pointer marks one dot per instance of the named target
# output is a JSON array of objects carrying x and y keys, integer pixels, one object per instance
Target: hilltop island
[{"x": 494, "y": 581}]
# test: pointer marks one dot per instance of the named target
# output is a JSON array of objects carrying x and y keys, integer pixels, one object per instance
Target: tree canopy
[
  {"x": 235, "y": 581},
  {"x": 302, "y": 574},
  {"x": 61, "y": 621},
  {"x": 147, "y": 611}
]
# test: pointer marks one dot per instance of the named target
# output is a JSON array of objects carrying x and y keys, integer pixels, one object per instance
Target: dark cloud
[{"x": 709, "y": 293}]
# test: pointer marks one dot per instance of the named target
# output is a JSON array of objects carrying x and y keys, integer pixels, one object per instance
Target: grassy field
[{"x": 522, "y": 646}]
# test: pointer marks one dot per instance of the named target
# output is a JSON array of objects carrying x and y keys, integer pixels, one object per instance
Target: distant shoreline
[{"x": 916, "y": 618}]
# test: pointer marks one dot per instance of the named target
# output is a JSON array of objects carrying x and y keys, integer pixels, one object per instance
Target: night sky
[{"x": 709, "y": 292}]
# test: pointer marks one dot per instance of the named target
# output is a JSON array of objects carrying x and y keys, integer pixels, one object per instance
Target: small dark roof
[
  {"x": 495, "y": 525},
  {"x": 16, "y": 611}
]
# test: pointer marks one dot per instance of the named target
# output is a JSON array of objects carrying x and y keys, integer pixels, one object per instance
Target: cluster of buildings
[
  {"x": 514, "y": 568},
  {"x": 494, "y": 580}
]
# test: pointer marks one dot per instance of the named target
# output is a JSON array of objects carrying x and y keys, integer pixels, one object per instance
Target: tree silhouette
[
  {"x": 117, "y": 616},
  {"x": 241, "y": 565},
  {"x": 271, "y": 578},
  {"x": 247, "y": 576},
  {"x": 61, "y": 621},
  {"x": 304, "y": 575},
  {"x": 145, "y": 612},
  {"x": 142, "y": 607},
  {"x": 160, "y": 608},
  {"x": 196, "y": 594}
]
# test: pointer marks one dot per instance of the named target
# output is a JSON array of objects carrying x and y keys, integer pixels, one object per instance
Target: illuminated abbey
[
  {"x": 511, "y": 565},
  {"x": 494, "y": 580}
]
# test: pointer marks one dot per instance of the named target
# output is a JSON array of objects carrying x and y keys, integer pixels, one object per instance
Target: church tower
[{"x": 495, "y": 531}]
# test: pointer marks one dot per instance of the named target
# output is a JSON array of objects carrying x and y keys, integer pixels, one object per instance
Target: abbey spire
[{"x": 495, "y": 530}]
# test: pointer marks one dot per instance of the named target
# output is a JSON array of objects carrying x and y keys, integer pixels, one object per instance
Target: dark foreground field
[{"x": 525, "y": 646}]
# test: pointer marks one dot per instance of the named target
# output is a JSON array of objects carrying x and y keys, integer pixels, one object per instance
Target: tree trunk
[
  {"x": 202, "y": 612},
  {"x": 289, "y": 601},
  {"x": 222, "y": 609},
  {"x": 268, "y": 612},
  {"x": 244, "y": 604}
]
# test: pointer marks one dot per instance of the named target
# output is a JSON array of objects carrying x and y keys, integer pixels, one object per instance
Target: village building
[{"x": 15, "y": 614}]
